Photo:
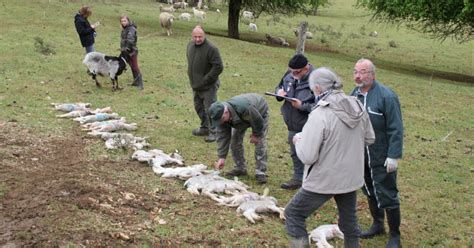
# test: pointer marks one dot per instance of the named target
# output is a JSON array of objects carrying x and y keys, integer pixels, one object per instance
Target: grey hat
[{"x": 216, "y": 110}]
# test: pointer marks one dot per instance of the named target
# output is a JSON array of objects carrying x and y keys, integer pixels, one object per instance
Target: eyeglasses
[
  {"x": 355, "y": 72},
  {"x": 296, "y": 72}
]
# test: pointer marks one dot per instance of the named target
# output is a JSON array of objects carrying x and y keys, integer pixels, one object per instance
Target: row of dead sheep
[
  {"x": 102, "y": 123},
  {"x": 199, "y": 181}
]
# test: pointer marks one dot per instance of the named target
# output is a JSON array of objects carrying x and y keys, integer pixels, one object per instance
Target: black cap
[{"x": 298, "y": 61}]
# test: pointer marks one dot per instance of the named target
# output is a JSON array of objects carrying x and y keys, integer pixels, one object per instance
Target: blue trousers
[{"x": 90, "y": 49}]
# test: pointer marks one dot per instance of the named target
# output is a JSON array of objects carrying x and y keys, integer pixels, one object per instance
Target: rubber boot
[
  {"x": 138, "y": 82},
  {"x": 377, "y": 227},
  {"x": 301, "y": 242},
  {"x": 393, "y": 219}
]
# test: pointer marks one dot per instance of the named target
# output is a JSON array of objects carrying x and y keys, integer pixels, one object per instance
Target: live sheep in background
[
  {"x": 253, "y": 27},
  {"x": 166, "y": 20}
]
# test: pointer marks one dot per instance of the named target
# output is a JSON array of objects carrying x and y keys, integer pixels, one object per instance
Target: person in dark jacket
[
  {"x": 128, "y": 47},
  {"x": 295, "y": 112},
  {"x": 381, "y": 158},
  {"x": 232, "y": 118},
  {"x": 204, "y": 67},
  {"x": 84, "y": 29}
]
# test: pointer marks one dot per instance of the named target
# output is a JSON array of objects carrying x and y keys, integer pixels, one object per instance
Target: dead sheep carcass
[
  {"x": 103, "y": 65},
  {"x": 323, "y": 233},
  {"x": 250, "y": 209}
]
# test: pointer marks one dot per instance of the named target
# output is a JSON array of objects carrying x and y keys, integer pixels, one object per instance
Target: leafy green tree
[
  {"x": 287, "y": 7},
  {"x": 440, "y": 18}
]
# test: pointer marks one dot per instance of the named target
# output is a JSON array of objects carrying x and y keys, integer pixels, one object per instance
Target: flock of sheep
[
  {"x": 167, "y": 18},
  {"x": 199, "y": 180}
]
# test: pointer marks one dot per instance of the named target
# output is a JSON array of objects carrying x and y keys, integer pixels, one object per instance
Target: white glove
[{"x": 391, "y": 164}]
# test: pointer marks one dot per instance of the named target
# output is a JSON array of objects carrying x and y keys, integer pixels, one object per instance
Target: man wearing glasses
[
  {"x": 294, "y": 84},
  {"x": 381, "y": 158}
]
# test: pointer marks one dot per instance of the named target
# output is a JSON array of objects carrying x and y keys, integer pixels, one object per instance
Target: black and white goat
[{"x": 103, "y": 65}]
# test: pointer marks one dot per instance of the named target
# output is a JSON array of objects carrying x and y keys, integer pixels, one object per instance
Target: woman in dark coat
[
  {"x": 85, "y": 30},
  {"x": 128, "y": 47}
]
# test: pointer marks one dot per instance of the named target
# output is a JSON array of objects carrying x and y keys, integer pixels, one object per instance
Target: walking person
[
  {"x": 232, "y": 118},
  {"x": 331, "y": 145},
  {"x": 204, "y": 67},
  {"x": 84, "y": 29},
  {"x": 129, "y": 50},
  {"x": 295, "y": 112},
  {"x": 381, "y": 158}
]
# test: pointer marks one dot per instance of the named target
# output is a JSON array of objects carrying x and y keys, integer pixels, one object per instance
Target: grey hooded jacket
[{"x": 332, "y": 145}]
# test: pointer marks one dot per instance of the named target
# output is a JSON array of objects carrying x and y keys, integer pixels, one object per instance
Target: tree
[
  {"x": 439, "y": 18},
  {"x": 287, "y": 7}
]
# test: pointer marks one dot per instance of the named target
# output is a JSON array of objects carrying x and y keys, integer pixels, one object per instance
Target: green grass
[{"x": 435, "y": 175}]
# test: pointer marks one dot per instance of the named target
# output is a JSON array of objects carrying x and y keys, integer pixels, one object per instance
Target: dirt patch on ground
[{"x": 52, "y": 194}]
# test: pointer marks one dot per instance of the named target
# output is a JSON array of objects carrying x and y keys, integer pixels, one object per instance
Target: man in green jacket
[
  {"x": 231, "y": 119},
  {"x": 381, "y": 158},
  {"x": 204, "y": 67}
]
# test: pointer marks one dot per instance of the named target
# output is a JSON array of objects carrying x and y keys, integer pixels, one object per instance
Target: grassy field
[{"x": 435, "y": 175}]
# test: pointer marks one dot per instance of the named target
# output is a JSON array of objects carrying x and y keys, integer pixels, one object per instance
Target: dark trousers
[
  {"x": 305, "y": 203},
  {"x": 132, "y": 61},
  {"x": 202, "y": 102},
  {"x": 298, "y": 166}
]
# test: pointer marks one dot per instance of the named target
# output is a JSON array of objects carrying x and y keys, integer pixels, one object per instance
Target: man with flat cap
[
  {"x": 295, "y": 112},
  {"x": 231, "y": 119}
]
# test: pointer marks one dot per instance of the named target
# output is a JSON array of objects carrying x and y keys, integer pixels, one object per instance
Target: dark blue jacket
[
  {"x": 84, "y": 30},
  {"x": 296, "y": 118}
]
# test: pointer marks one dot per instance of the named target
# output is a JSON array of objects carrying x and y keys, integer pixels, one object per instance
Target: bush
[{"x": 393, "y": 44}]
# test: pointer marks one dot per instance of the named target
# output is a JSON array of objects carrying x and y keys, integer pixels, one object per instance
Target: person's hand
[
  {"x": 93, "y": 26},
  {"x": 296, "y": 103},
  {"x": 296, "y": 138},
  {"x": 254, "y": 139},
  {"x": 219, "y": 165},
  {"x": 281, "y": 92},
  {"x": 391, "y": 165}
]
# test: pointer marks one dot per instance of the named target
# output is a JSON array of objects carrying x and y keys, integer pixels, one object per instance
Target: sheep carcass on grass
[
  {"x": 238, "y": 198},
  {"x": 103, "y": 65},
  {"x": 215, "y": 184},
  {"x": 250, "y": 208},
  {"x": 68, "y": 107},
  {"x": 181, "y": 172},
  {"x": 110, "y": 126},
  {"x": 323, "y": 233},
  {"x": 96, "y": 117},
  {"x": 85, "y": 112}
]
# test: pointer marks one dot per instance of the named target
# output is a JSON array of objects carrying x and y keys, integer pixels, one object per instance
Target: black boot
[
  {"x": 377, "y": 227},
  {"x": 393, "y": 219},
  {"x": 138, "y": 82}
]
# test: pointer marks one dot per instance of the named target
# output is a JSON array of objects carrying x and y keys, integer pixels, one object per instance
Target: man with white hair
[
  {"x": 331, "y": 146},
  {"x": 381, "y": 158}
]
